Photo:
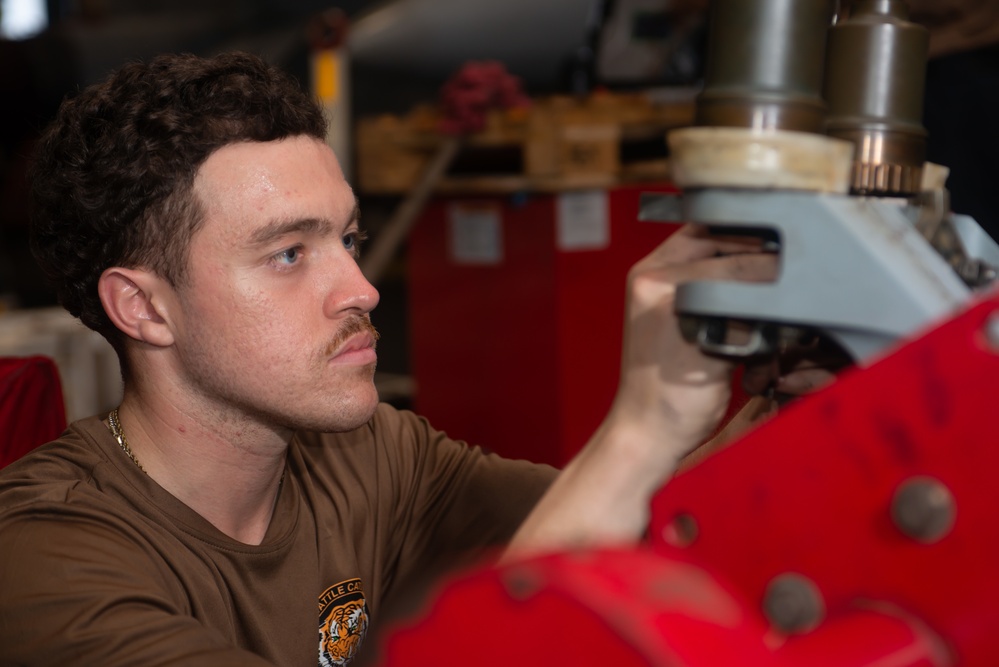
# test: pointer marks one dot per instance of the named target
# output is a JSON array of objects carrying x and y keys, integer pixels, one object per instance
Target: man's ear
[{"x": 135, "y": 301}]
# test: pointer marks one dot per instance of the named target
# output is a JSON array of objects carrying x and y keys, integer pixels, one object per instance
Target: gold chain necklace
[{"x": 119, "y": 435}]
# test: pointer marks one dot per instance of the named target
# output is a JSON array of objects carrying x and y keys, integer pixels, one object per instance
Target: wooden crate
[{"x": 558, "y": 143}]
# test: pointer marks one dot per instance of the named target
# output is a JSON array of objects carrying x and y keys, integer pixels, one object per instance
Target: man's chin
[
  {"x": 362, "y": 417},
  {"x": 346, "y": 410},
  {"x": 356, "y": 411}
]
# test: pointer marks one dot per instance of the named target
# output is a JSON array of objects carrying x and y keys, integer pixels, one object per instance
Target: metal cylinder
[
  {"x": 875, "y": 75},
  {"x": 765, "y": 63}
]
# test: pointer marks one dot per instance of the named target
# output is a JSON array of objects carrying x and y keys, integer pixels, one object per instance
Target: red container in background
[{"x": 517, "y": 308}]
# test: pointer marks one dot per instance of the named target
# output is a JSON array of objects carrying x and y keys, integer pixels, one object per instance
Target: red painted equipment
[
  {"x": 860, "y": 527},
  {"x": 31, "y": 405}
]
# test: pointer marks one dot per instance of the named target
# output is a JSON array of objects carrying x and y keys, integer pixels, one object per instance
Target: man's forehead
[
  {"x": 267, "y": 165},
  {"x": 263, "y": 189}
]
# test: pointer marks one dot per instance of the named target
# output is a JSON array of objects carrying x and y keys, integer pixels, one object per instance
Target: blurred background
[
  {"x": 400, "y": 53},
  {"x": 502, "y": 301},
  {"x": 390, "y": 61}
]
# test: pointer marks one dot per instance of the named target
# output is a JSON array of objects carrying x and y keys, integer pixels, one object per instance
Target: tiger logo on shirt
[{"x": 343, "y": 622}]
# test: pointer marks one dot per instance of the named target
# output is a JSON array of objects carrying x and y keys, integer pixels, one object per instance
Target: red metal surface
[
  {"x": 635, "y": 607},
  {"x": 811, "y": 492},
  {"x": 618, "y": 608},
  {"x": 874, "y": 636}
]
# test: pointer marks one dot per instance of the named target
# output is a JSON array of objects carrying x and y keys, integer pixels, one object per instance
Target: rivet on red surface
[
  {"x": 681, "y": 531},
  {"x": 924, "y": 509},
  {"x": 793, "y": 603}
]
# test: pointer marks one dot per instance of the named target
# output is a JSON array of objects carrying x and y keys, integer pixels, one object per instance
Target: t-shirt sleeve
[
  {"x": 459, "y": 504},
  {"x": 82, "y": 592}
]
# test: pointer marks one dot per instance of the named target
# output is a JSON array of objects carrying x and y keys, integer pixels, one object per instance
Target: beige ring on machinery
[{"x": 735, "y": 157}]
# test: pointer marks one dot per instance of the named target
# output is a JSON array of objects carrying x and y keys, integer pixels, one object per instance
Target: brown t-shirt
[{"x": 100, "y": 565}]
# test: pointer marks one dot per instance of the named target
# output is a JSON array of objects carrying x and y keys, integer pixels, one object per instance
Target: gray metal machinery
[{"x": 809, "y": 135}]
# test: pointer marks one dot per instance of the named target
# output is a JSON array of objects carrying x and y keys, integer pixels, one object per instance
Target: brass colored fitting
[{"x": 875, "y": 74}]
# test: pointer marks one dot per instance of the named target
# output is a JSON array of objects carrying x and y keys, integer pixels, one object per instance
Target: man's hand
[
  {"x": 670, "y": 397},
  {"x": 668, "y": 388},
  {"x": 797, "y": 371},
  {"x": 772, "y": 382}
]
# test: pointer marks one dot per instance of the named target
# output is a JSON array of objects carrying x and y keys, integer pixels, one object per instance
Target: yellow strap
[{"x": 325, "y": 73}]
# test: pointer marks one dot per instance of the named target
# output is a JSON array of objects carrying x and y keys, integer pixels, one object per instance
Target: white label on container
[
  {"x": 476, "y": 233},
  {"x": 582, "y": 221}
]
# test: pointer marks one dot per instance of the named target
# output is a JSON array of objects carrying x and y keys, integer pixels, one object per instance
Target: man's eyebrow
[{"x": 277, "y": 229}]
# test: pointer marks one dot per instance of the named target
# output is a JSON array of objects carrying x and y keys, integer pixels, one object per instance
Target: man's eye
[
  {"x": 289, "y": 256},
  {"x": 352, "y": 241}
]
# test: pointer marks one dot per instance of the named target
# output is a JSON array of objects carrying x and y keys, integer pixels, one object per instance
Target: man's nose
[{"x": 349, "y": 291}]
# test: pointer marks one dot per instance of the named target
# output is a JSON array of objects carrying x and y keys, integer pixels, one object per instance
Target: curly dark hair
[{"x": 112, "y": 176}]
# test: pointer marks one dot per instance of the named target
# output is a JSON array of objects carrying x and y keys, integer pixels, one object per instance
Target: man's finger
[
  {"x": 759, "y": 376},
  {"x": 804, "y": 381},
  {"x": 755, "y": 267},
  {"x": 693, "y": 242}
]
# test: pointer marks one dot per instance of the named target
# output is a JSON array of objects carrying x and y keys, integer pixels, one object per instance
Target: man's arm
[{"x": 669, "y": 399}]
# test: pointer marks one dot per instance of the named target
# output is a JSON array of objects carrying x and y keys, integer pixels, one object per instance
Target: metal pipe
[
  {"x": 875, "y": 74},
  {"x": 765, "y": 63}
]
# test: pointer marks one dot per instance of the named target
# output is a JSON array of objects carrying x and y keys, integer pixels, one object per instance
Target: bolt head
[
  {"x": 793, "y": 603},
  {"x": 681, "y": 531},
  {"x": 924, "y": 509}
]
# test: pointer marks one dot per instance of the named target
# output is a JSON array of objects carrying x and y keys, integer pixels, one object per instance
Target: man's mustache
[{"x": 354, "y": 325}]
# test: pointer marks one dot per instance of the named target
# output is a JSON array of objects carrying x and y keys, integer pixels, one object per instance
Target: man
[{"x": 250, "y": 502}]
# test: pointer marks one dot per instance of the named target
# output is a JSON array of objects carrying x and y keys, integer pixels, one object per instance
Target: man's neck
[{"x": 228, "y": 471}]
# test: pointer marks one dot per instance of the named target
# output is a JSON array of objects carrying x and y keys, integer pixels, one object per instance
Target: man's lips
[{"x": 358, "y": 348}]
